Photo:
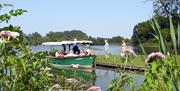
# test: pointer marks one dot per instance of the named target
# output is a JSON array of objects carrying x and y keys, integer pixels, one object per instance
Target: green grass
[{"x": 116, "y": 59}]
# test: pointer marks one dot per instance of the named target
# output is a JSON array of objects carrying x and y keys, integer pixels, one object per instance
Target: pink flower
[
  {"x": 153, "y": 56},
  {"x": 50, "y": 75},
  {"x": 94, "y": 88},
  {"x": 9, "y": 34},
  {"x": 5, "y": 33}
]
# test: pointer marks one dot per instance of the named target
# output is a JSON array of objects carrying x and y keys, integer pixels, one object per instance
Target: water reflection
[
  {"x": 105, "y": 76},
  {"x": 100, "y": 76}
]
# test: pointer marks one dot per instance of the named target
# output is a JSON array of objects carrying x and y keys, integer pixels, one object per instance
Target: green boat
[
  {"x": 78, "y": 61},
  {"x": 82, "y": 61}
]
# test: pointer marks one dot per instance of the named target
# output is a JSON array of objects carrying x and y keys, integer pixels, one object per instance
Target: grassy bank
[{"x": 116, "y": 59}]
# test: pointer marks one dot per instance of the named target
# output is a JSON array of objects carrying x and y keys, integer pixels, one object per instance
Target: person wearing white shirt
[{"x": 106, "y": 49}]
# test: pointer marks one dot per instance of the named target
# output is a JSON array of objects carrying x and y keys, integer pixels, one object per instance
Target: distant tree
[
  {"x": 116, "y": 39},
  {"x": 34, "y": 38},
  {"x": 145, "y": 32},
  {"x": 66, "y": 35},
  {"x": 165, "y": 7}
]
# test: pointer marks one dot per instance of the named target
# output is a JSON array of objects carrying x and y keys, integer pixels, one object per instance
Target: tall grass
[
  {"x": 178, "y": 30},
  {"x": 158, "y": 35}
]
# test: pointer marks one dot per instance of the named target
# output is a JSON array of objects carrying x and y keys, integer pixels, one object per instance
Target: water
[{"x": 105, "y": 76}]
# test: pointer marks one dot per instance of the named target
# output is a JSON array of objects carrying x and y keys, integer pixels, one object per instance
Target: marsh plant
[
  {"x": 125, "y": 80},
  {"x": 162, "y": 72}
]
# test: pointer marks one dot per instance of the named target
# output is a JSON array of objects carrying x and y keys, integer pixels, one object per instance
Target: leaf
[
  {"x": 178, "y": 29},
  {"x": 173, "y": 36},
  {"x": 154, "y": 67},
  {"x": 23, "y": 66},
  {"x": 142, "y": 48},
  {"x": 34, "y": 65}
]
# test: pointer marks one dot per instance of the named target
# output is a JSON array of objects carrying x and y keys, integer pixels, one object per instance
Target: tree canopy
[
  {"x": 166, "y": 7},
  {"x": 145, "y": 32}
]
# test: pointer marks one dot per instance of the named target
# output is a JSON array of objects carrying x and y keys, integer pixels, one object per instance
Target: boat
[{"x": 72, "y": 61}]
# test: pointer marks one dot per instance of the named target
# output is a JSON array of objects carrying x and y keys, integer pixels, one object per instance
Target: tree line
[{"x": 37, "y": 39}]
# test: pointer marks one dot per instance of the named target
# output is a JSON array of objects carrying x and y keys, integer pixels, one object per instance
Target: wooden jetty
[{"x": 127, "y": 67}]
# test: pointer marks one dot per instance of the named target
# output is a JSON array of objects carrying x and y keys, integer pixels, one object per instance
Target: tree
[
  {"x": 145, "y": 32},
  {"x": 66, "y": 35},
  {"x": 166, "y": 7},
  {"x": 35, "y": 38}
]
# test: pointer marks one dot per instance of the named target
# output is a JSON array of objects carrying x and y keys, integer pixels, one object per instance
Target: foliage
[
  {"x": 20, "y": 68},
  {"x": 66, "y": 35},
  {"x": 166, "y": 7},
  {"x": 118, "y": 84},
  {"x": 12, "y": 13},
  {"x": 162, "y": 74},
  {"x": 33, "y": 39},
  {"x": 146, "y": 33}
]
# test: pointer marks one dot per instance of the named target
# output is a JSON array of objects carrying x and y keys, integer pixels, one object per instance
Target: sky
[{"x": 97, "y": 18}]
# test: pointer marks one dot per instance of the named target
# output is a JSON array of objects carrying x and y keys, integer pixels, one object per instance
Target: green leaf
[
  {"x": 23, "y": 66},
  {"x": 142, "y": 48},
  {"x": 178, "y": 29},
  {"x": 173, "y": 36},
  {"x": 34, "y": 65},
  {"x": 154, "y": 67}
]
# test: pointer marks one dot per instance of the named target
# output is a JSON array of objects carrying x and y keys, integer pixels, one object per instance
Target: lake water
[
  {"x": 103, "y": 75},
  {"x": 98, "y": 50}
]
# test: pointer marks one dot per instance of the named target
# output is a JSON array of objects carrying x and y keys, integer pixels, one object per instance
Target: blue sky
[{"x": 103, "y": 18}]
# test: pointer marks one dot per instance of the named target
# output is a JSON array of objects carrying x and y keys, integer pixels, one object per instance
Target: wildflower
[
  {"x": 70, "y": 80},
  {"x": 1, "y": 41},
  {"x": 47, "y": 68},
  {"x": 55, "y": 86},
  {"x": 129, "y": 51},
  {"x": 153, "y": 56},
  {"x": 50, "y": 75},
  {"x": 9, "y": 34},
  {"x": 14, "y": 34},
  {"x": 94, "y": 88}
]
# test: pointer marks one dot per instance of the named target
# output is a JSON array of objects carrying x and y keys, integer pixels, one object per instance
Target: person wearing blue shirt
[{"x": 75, "y": 48}]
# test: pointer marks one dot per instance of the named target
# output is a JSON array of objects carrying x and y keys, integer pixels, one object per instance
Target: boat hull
[{"x": 83, "y": 61}]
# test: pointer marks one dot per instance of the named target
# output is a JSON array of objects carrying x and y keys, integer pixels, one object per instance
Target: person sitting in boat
[
  {"x": 82, "y": 53},
  {"x": 88, "y": 50},
  {"x": 70, "y": 54},
  {"x": 64, "y": 49},
  {"x": 75, "y": 47},
  {"x": 59, "y": 54}
]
